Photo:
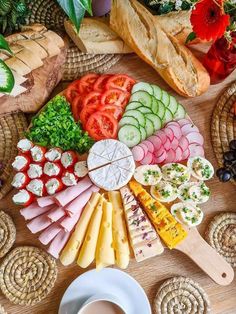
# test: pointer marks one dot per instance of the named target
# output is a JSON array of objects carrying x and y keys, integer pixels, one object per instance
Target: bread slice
[
  {"x": 30, "y": 58},
  {"x": 172, "y": 60},
  {"x": 33, "y": 46},
  {"x": 48, "y": 45},
  {"x": 54, "y": 38},
  {"x": 17, "y": 65},
  {"x": 95, "y": 36}
]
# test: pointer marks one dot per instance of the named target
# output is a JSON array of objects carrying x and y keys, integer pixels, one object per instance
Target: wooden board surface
[{"x": 151, "y": 273}]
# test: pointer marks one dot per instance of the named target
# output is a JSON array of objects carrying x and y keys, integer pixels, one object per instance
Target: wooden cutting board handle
[{"x": 214, "y": 265}]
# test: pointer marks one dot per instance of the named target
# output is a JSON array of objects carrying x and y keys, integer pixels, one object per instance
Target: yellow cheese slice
[
  {"x": 105, "y": 255},
  {"x": 71, "y": 250},
  {"x": 120, "y": 237},
  {"x": 88, "y": 250}
]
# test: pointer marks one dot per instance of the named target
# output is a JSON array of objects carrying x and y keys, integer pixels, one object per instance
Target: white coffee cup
[{"x": 102, "y": 300}]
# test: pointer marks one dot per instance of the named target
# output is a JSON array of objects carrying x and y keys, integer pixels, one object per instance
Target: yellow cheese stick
[
  {"x": 88, "y": 250},
  {"x": 120, "y": 238},
  {"x": 105, "y": 255},
  {"x": 71, "y": 250}
]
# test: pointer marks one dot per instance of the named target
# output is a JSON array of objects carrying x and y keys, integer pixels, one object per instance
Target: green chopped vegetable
[{"x": 56, "y": 127}]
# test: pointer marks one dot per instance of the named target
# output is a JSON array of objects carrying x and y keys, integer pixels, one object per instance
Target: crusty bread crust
[{"x": 172, "y": 60}]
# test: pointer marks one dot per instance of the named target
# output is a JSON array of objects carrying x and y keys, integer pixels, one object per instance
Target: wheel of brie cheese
[{"x": 110, "y": 164}]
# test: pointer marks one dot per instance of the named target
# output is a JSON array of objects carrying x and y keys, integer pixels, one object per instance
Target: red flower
[{"x": 209, "y": 20}]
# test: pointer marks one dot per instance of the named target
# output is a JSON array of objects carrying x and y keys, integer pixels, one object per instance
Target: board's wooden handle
[{"x": 214, "y": 265}]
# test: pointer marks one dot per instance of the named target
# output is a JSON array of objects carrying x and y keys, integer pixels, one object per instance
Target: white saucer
[{"x": 108, "y": 280}]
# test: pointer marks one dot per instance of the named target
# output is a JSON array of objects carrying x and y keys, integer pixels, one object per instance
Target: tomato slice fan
[
  {"x": 76, "y": 105},
  {"x": 115, "y": 97},
  {"x": 102, "y": 125},
  {"x": 87, "y": 82},
  {"x": 99, "y": 85},
  {"x": 93, "y": 98},
  {"x": 86, "y": 112},
  {"x": 72, "y": 91},
  {"x": 120, "y": 81},
  {"x": 112, "y": 110}
]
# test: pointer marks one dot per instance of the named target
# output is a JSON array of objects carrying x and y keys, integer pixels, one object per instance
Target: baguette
[
  {"x": 172, "y": 60},
  {"x": 95, "y": 36}
]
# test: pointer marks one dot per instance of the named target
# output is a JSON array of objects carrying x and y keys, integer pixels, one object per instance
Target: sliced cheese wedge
[
  {"x": 71, "y": 250},
  {"x": 120, "y": 236},
  {"x": 88, "y": 250},
  {"x": 105, "y": 255}
]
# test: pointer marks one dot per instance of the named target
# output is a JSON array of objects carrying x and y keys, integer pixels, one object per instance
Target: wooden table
[{"x": 151, "y": 273}]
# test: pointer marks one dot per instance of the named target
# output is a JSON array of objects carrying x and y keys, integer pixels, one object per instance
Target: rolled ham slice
[
  {"x": 50, "y": 233},
  {"x": 39, "y": 223},
  {"x": 34, "y": 210},
  {"x": 58, "y": 243},
  {"x": 66, "y": 196},
  {"x": 45, "y": 201},
  {"x": 68, "y": 223},
  {"x": 80, "y": 201},
  {"x": 56, "y": 213}
]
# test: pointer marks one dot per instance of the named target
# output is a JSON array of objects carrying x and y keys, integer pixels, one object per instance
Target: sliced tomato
[
  {"x": 93, "y": 98},
  {"x": 102, "y": 125},
  {"x": 72, "y": 91},
  {"x": 115, "y": 97},
  {"x": 87, "y": 82},
  {"x": 113, "y": 110},
  {"x": 76, "y": 106},
  {"x": 86, "y": 112},
  {"x": 120, "y": 81},
  {"x": 99, "y": 85}
]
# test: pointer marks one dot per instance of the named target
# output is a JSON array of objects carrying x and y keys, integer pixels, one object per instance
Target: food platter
[{"x": 97, "y": 214}]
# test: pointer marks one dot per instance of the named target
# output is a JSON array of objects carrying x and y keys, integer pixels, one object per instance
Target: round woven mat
[
  {"x": 7, "y": 233},
  {"x": 2, "y": 310},
  {"x": 223, "y": 124},
  {"x": 12, "y": 128},
  {"x": 181, "y": 295},
  {"x": 50, "y": 14},
  {"x": 221, "y": 235},
  {"x": 27, "y": 275}
]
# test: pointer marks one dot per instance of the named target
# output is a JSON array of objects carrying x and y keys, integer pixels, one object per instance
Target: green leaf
[
  {"x": 4, "y": 44},
  {"x": 7, "y": 80},
  {"x": 190, "y": 37},
  {"x": 74, "y": 10},
  {"x": 87, "y": 5}
]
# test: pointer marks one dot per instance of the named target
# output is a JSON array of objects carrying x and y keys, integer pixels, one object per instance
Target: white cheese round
[
  {"x": 200, "y": 168},
  {"x": 18, "y": 180},
  {"x": 148, "y": 174},
  {"x": 81, "y": 169},
  {"x": 175, "y": 173},
  {"x": 24, "y": 145},
  {"x": 19, "y": 163},
  {"x": 21, "y": 198},
  {"x": 51, "y": 169},
  {"x": 164, "y": 191},
  {"x": 36, "y": 187},
  {"x": 35, "y": 171}
]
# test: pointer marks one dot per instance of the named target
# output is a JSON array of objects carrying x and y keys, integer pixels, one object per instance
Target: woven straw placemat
[
  {"x": 221, "y": 235},
  {"x": 223, "y": 124},
  {"x": 2, "y": 310},
  {"x": 12, "y": 128},
  {"x": 181, "y": 295},
  {"x": 50, "y": 14},
  {"x": 7, "y": 233},
  {"x": 27, "y": 275}
]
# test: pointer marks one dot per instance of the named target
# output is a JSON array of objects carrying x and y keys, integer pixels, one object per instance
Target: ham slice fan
[{"x": 37, "y": 67}]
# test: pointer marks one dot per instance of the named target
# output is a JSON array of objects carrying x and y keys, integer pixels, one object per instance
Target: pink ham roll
[
  {"x": 80, "y": 201},
  {"x": 66, "y": 196},
  {"x": 56, "y": 213},
  {"x": 58, "y": 243},
  {"x": 68, "y": 223},
  {"x": 45, "y": 201},
  {"x": 50, "y": 233},
  {"x": 34, "y": 210},
  {"x": 39, "y": 223}
]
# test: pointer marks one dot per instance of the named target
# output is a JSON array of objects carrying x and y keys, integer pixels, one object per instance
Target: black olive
[
  {"x": 233, "y": 169},
  {"x": 225, "y": 176},
  {"x": 227, "y": 163},
  {"x": 232, "y": 145},
  {"x": 230, "y": 155},
  {"x": 220, "y": 172}
]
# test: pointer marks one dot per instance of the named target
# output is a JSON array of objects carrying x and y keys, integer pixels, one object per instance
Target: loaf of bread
[
  {"x": 36, "y": 63},
  {"x": 95, "y": 36},
  {"x": 171, "y": 59}
]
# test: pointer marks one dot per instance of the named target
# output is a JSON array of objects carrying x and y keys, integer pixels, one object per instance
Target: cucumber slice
[
  {"x": 161, "y": 110},
  {"x": 180, "y": 113},
  {"x": 128, "y": 120},
  {"x": 143, "y": 97},
  {"x": 137, "y": 115},
  {"x": 165, "y": 98},
  {"x": 173, "y": 105},
  {"x": 142, "y": 86},
  {"x": 155, "y": 120},
  {"x": 7, "y": 80},
  {"x": 167, "y": 117},
  {"x": 144, "y": 110},
  {"x": 155, "y": 105},
  {"x": 143, "y": 133},
  {"x": 157, "y": 92},
  {"x": 133, "y": 105},
  {"x": 129, "y": 135},
  {"x": 149, "y": 127}
]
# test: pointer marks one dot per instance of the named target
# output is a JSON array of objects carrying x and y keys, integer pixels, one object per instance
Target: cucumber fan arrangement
[{"x": 113, "y": 166}]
